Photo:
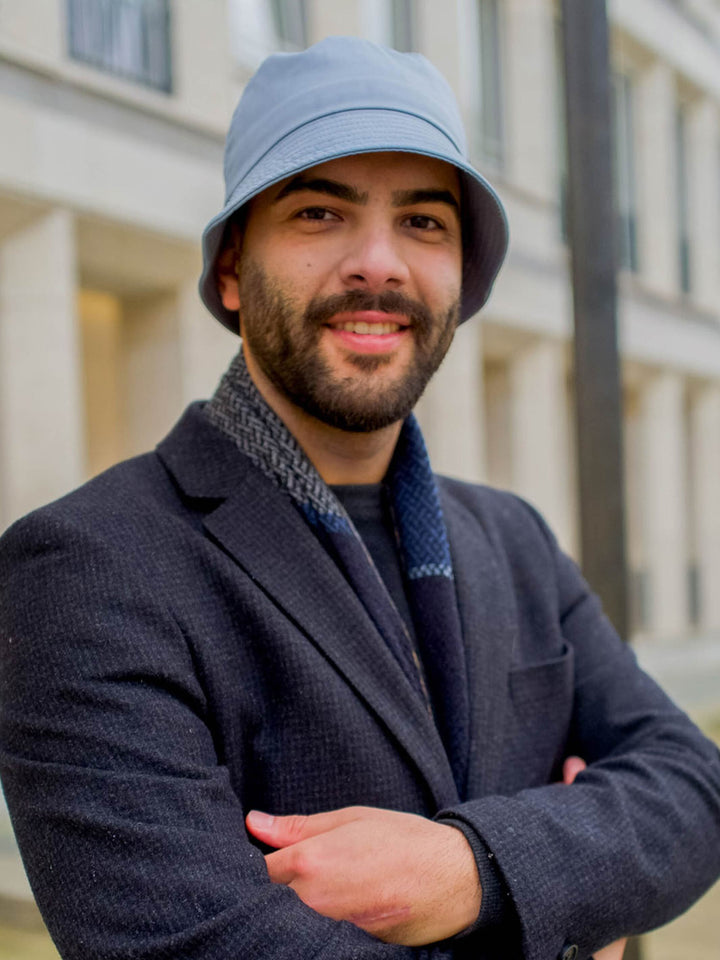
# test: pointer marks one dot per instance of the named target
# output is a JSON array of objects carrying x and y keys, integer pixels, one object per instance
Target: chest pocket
[{"x": 538, "y": 721}]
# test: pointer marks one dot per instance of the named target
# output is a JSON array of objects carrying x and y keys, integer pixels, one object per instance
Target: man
[{"x": 275, "y": 690}]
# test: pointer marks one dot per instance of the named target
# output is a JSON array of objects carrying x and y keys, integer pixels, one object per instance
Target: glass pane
[
  {"x": 130, "y": 38},
  {"x": 682, "y": 199},
  {"x": 624, "y": 169}
]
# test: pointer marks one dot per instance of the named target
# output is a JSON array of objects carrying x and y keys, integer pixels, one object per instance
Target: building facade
[
  {"x": 112, "y": 118},
  {"x": 113, "y": 113}
]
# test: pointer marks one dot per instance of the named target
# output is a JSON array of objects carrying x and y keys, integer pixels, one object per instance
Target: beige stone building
[
  {"x": 112, "y": 116},
  {"x": 111, "y": 128}
]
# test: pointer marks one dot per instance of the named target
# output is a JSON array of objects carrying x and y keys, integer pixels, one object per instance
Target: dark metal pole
[{"x": 591, "y": 230}]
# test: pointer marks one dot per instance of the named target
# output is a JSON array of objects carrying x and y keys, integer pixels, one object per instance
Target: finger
[
  {"x": 284, "y": 831},
  {"x": 571, "y": 768},
  {"x": 613, "y": 952},
  {"x": 280, "y": 867}
]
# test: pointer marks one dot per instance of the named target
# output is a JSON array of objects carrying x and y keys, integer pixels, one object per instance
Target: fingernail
[{"x": 260, "y": 821}]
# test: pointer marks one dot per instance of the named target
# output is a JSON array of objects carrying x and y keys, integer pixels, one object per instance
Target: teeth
[{"x": 376, "y": 328}]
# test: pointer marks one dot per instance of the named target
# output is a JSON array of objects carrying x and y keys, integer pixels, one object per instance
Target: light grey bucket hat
[{"x": 344, "y": 96}]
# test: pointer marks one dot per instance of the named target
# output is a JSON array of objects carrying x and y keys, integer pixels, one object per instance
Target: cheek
[
  {"x": 302, "y": 272},
  {"x": 440, "y": 281}
]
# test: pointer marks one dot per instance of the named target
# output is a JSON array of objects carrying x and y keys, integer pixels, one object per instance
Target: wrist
[{"x": 467, "y": 895}]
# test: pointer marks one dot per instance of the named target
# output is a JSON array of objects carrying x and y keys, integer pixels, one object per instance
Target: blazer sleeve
[
  {"x": 636, "y": 839},
  {"x": 131, "y": 835}
]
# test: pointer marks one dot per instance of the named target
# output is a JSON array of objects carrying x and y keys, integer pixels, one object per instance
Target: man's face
[{"x": 348, "y": 285}]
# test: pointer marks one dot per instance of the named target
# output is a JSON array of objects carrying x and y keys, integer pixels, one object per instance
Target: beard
[{"x": 285, "y": 341}]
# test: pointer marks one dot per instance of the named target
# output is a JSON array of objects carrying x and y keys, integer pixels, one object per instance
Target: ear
[{"x": 227, "y": 281}]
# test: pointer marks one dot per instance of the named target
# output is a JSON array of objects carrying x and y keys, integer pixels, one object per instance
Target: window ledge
[{"x": 85, "y": 77}]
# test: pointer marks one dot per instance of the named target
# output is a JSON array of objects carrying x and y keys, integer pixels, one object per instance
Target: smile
[
  {"x": 368, "y": 328},
  {"x": 369, "y": 331}
]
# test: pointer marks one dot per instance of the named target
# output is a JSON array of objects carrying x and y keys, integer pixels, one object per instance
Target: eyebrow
[
  {"x": 343, "y": 191},
  {"x": 407, "y": 198},
  {"x": 320, "y": 185}
]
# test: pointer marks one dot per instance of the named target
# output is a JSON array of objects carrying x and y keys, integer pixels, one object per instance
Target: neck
[{"x": 339, "y": 456}]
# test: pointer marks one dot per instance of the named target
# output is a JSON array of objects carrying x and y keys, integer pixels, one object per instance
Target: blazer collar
[
  {"x": 204, "y": 462},
  {"x": 258, "y": 526}
]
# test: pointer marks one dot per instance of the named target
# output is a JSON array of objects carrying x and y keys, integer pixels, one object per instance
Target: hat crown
[{"x": 336, "y": 75}]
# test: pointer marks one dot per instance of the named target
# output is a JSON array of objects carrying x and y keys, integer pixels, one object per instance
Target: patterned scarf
[{"x": 240, "y": 412}]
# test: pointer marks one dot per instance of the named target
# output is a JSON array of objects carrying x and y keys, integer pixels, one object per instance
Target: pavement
[{"x": 696, "y": 934}]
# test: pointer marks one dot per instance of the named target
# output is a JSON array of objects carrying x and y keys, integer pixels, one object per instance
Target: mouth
[
  {"x": 369, "y": 331},
  {"x": 379, "y": 329}
]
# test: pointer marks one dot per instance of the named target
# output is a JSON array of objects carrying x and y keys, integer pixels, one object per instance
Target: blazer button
[{"x": 569, "y": 952}]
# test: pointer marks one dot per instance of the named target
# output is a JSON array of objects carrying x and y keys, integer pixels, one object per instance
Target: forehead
[{"x": 379, "y": 173}]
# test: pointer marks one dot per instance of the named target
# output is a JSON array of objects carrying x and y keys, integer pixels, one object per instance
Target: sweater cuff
[{"x": 496, "y": 907}]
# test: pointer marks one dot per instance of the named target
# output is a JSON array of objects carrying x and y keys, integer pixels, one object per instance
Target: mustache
[{"x": 320, "y": 310}]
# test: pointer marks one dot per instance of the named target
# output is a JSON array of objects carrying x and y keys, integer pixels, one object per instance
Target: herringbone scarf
[{"x": 238, "y": 409}]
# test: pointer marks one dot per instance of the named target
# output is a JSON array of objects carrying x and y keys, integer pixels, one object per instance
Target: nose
[{"x": 374, "y": 260}]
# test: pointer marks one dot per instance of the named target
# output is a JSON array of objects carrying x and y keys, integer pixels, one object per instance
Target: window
[
  {"x": 561, "y": 129},
  {"x": 290, "y": 17},
  {"x": 128, "y": 38},
  {"x": 489, "y": 123},
  {"x": 624, "y": 163},
  {"x": 403, "y": 26},
  {"x": 681, "y": 174}
]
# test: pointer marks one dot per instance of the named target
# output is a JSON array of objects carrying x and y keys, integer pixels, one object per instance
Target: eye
[
  {"x": 316, "y": 214},
  {"x": 421, "y": 221}
]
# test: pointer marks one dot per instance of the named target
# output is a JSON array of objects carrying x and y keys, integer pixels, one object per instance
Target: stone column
[
  {"x": 100, "y": 316},
  {"x": 704, "y": 201},
  {"x": 540, "y": 435},
  {"x": 705, "y": 432},
  {"x": 530, "y": 96},
  {"x": 41, "y": 410},
  {"x": 656, "y": 179},
  {"x": 450, "y": 412},
  {"x": 496, "y": 401},
  {"x": 206, "y": 347},
  {"x": 374, "y": 17},
  {"x": 664, "y": 503},
  {"x": 634, "y": 508},
  {"x": 151, "y": 370}
]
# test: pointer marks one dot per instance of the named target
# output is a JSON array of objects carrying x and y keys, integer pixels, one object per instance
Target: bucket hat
[{"x": 346, "y": 96}]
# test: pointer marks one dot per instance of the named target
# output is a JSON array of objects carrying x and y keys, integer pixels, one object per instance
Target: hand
[
  {"x": 400, "y": 877},
  {"x": 571, "y": 768}
]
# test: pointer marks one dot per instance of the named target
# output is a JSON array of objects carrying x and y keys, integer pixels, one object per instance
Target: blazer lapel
[
  {"x": 487, "y": 615},
  {"x": 258, "y": 526}
]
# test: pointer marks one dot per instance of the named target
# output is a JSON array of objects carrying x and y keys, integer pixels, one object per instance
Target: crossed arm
[
  {"x": 403, "y": 878},
  {"x": 113, "y": 773}
]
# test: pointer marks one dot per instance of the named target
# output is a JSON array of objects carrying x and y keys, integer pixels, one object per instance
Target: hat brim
[{"x": 342, "y": 134}]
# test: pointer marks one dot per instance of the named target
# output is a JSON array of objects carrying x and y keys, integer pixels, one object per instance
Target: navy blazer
[{"x": 178, "y": 648}]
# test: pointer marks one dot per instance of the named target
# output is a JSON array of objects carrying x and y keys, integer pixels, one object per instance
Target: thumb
[{"x": 284, "y": 831}]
